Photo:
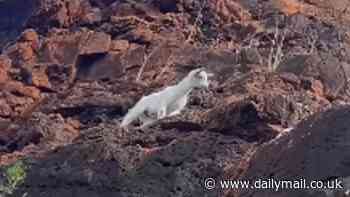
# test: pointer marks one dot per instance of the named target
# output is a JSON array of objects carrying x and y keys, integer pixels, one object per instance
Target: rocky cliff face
[{"x": 70, "y": 76}]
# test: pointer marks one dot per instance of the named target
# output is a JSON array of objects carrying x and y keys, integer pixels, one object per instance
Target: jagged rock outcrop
[
  {"x": 315, "y": 150},
  {"x": 75, "y": 67}
]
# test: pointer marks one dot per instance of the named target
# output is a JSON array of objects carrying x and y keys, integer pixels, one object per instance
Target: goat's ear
[
  {"x": 195, "y": 71},
  {"x": 198, "y": 70},
  {"x": 202, "y": 68}
]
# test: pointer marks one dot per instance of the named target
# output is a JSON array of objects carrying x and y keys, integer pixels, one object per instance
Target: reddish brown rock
[
  {"x": 56, "y": 130},
  {"x": 94, "y": 69},
  {"x": 229, "y": 11},
  {"x": 317, "y": 88},
  {"x": 289, "y": 7},
  {"x": 120, "y": 45},
  {"x": 144, "y": 34},
  {"x": 25, "y": 51},
  {"x": 5, "y": 64},
  {"x": 93, "y": 16},
  {"x": 160, "y": 56},
  {"x": 5, "y": 109},
  {"x": 188, "y": 55},
  {"x": 19, "y": 88},
  {"x": 39, "y": 77},
  {"x": 60, "y": 49},
  {"x": 94, "y": 43},
  {"x": 337, "y": 5},
  {"x": 21, "y": 53},
  {"x": 16, "y": 98},
  {"x": 94, "y": 66},
  {"x": 134, "y": 55},
  {"x": 31, "y": 36}
]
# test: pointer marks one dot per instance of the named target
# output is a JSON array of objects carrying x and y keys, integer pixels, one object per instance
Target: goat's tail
[{"x": 133, "y": 113}]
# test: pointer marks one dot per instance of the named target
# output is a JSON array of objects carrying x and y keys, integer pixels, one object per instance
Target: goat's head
[{"x": 199, "y": 78}]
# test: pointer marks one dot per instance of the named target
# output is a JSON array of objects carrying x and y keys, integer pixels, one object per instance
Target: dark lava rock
[
  {"x": 108, "y": 161},
  {"x": 316, "y": 150}
]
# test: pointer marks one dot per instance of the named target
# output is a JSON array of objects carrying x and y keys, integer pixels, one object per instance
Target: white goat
[{"x": 167, "y": 102}]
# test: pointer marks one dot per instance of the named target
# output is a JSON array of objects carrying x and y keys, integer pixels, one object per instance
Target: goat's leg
[
  {"x": 147, "y": 124},
  {"x": 161, "y": 113},
  {"x": 174, "y": 113},
  {"x": 147, "y": 120}
]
